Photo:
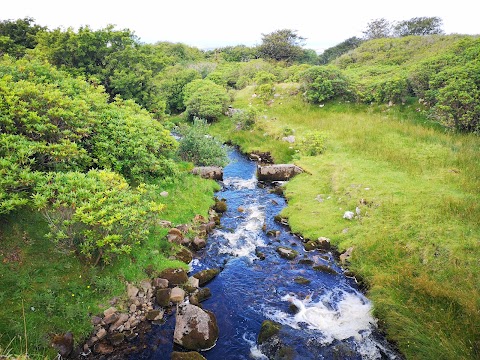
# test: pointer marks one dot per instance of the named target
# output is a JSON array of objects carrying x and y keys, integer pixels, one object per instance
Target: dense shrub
[
  {"x": 205, "y": 99},
  {"x": 133, "y": 144},
  {"x": 52, "y": 122},
  {"x": 456, "y": 92},
  {"x": 323, "y": 83},
  {"x": 96, "y": 214},
  {"x": 199, "y": 148},
  {"x": 263, "y": 77},
  {"x": 313, "y": 143},
  {"x": 245, "y": 119},
  {"x": 171, "y": 83}
]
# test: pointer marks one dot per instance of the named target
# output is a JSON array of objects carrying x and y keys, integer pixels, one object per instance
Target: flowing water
[{"x": 332, "y": 319}]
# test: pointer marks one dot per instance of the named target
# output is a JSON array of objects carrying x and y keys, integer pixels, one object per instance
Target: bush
[
  {"x": 264, "y": 77},
  {"x": 313, "y": 143},
  {"x": 171, "y": 83},
  {"x": 265, "y": 91},
  {"x": 96, "y": 214},
  {"x": 322, "y": 83},
  {"x": 245, "y": 119},
  {"x": 133, "y": 144},
  {"x": 205, "y": 99},
  {"x": 199, "y": 148},
  {"x": 457, "y": 98}
]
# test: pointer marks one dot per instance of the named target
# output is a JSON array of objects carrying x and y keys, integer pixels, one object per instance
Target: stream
[{"x": 333, "y": 318}]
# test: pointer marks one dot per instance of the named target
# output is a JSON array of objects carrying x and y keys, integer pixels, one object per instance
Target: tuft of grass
[
  {"x": 416, "y": 187},
  {"x": 59, "y": 292}
]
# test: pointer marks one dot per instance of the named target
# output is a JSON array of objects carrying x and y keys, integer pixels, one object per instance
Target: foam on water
[
  {"x": 348, "y": 317},
  {"x": 255, "y": 352},
  {"x": 246, "y": 237},
  {"x": 239, "y": 183}
]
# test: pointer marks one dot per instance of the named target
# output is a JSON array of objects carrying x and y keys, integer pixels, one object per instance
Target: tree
[
  {"x": 18, "y": 36},
  {"x": 171, "y": 82},
  {"x": 419, "y": 26},
  {"x": 282, "y": 45},
  {"x": 377, "y": 28},
  {"x": 205, "y": 99},
  {"x": 338, "y": 50}
]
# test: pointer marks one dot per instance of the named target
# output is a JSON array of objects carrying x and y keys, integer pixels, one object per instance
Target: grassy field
[
  {"x": 57, "y": 292},
  {"x": 417, "y": 239}
]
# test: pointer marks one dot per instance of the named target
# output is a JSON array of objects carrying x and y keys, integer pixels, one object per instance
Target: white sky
[{"x": 216, "y": 23}]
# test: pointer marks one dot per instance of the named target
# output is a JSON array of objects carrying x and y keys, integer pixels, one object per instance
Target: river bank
[{"x": 415, "y": 239}]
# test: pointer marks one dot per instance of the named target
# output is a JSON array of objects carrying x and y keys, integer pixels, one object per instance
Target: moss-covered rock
[
  {"x": 191, "y": 355},
  {"x": 163, "y": 297},
  {"x": 301, "y": 280},
  {"x": 174, "y": 276},
  {"x": 325, "y": 269},
  {"x": 267, "y": 330},
  {"x": 184, "y": 255},
  {"x": 287, "y": 253},
  {"x": 207, "y": 275}
]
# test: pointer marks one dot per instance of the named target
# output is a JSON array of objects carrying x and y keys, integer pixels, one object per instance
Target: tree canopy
[
  {"x": 282, "y": 45},
  {"x": 18, "y": 36}
]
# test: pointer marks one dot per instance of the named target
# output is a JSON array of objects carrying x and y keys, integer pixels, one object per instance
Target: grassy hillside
[{"x": 416, "y": 239}]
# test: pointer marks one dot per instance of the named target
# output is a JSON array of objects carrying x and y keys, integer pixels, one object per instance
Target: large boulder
[
  {"x": 195, "y": 328},
  {"x": 174, "y": 276},
  {"x": 279, "y": 172},
  {"x": 209, "y": 172},
  {"x": 206, "y": 275}
]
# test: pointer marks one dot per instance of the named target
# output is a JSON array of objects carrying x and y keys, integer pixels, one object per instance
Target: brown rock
[
  {"x": 154, "y": 315},
  {"x": 63, "y": 344},
  {"x": 279, "y": 172},
  {"x": 209, "y": 172},
  {"x": 183, "y": 228},
  {"x": 132, "y": 291},
  {"x": 116, "y": 339},
  {"x": 287, "y": 253},
  {"x": 174, "y": 276},
  {"x": 110, "y": 319},
  {"x": 175, "y": 236},
  {"x": 177, "y": 295},
  {"x": 101, "y": 333},
  {"x": 164, "y": 224},
  {"x": 346, "y": 255},
  {"x": 184, "y": 255},
  {"x": 195, "y": 328},
  {"x": 103, "y": 348},
  {"x": 191, "y": 355},
  {"x": 96, "y": 320},
  {"x": 109, "y": 311},
  {"x": 160, "y": 283},
  {"x": 199, "y": 243},
  {"x": 122, "y": 318},
  {"x": 207, "y": 275},
  {"x": 163, "y": 297}
]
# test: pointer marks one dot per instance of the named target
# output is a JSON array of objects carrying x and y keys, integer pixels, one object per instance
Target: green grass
[
  {"x": 59, "y": 292},
  {"x": 417, "y": 241}
]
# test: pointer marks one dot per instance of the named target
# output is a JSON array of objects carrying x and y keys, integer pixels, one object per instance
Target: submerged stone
[{"x": 286, "y": 252}]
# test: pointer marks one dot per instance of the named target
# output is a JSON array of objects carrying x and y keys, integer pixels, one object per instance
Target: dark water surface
[{"x": 334, "y": 319}]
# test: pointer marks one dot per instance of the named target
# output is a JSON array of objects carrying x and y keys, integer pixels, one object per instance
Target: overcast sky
[{"x": 216, "y": 23}]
